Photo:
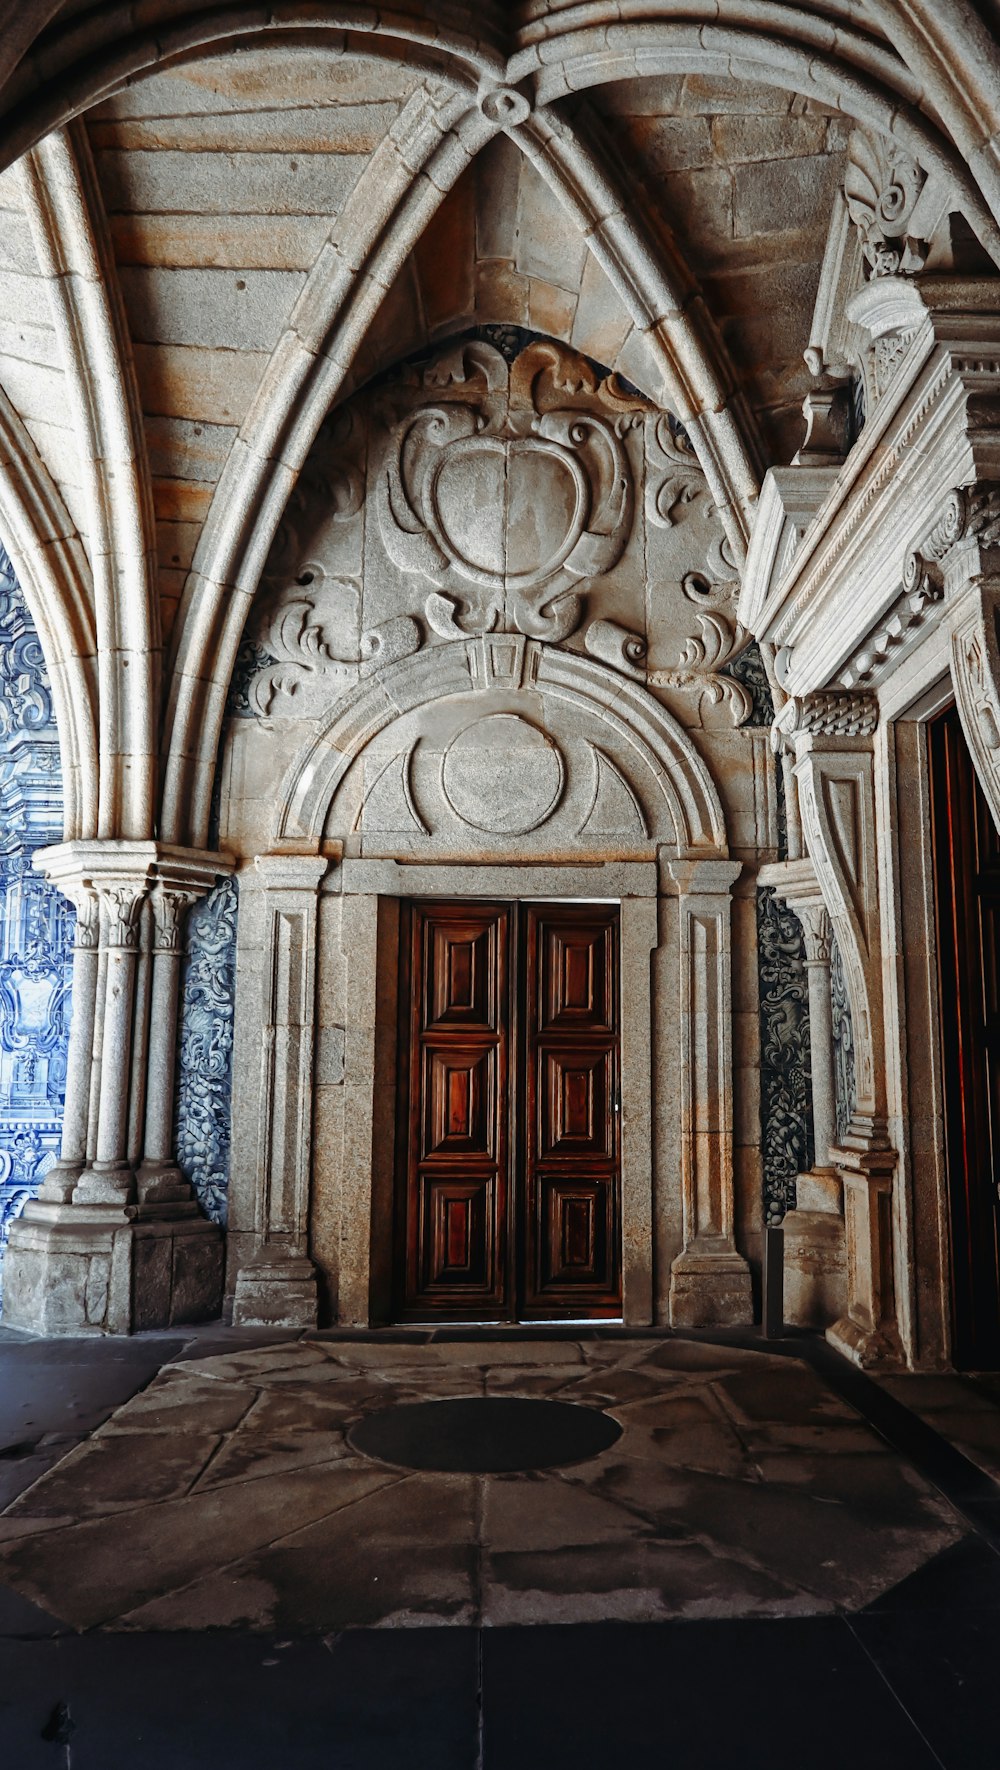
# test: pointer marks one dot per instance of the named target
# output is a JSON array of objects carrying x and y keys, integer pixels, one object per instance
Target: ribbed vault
[{"x": 167, "y": 358}]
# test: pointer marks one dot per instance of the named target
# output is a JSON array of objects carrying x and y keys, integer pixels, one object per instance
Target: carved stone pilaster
[
  {"x": 831, "y": 736},
  {"x": 710, "y": 1280},
  {"x": 272, "y": 1143},
  {"x": 815, "y": 1261}
]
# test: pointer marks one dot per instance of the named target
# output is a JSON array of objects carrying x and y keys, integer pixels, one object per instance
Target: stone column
[
  {"x": 814, "y": 1249},
  {"x": 94, "y": 1254},
  {"x": 182, "y": 877},
  {"x": 62, "y": 1177},
  {"x": 276, "y": 1015},
  {"x": 109, "y": 1179},
  {"x": 710, "y": 1280},
  {"x": 831, "y": 737}
]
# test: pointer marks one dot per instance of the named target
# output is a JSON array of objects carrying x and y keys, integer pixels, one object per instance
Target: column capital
[
  {"x": 287, "y": 872},
  {"x": 711, "y": 876},
  {"x": 831, "y": 719}
]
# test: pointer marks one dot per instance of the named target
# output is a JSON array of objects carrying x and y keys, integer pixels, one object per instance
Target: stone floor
[{"x": 198, "y": 1568}]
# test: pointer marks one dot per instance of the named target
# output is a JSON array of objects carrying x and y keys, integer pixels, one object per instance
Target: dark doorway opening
[{"x": 967, "y": 894}]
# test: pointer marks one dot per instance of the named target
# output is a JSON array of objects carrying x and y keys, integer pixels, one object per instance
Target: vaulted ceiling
[{"x": 218, "y": 221}]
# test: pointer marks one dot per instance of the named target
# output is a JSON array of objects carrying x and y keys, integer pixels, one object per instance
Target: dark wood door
[
  {"x": 967, "y": 868},
  {"x": 508, "y": 1193},
  {"x": 571, "y": 1158}
]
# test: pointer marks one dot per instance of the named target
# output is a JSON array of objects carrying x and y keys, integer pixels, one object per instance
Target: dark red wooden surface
[
  {"x": 967, "y": 881},
  {"x": 508, "y": 1188}
]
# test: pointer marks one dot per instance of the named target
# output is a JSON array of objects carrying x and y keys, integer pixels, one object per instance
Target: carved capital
[
  {"x": 88, "y": 919},
  {"x": 121, "y": 902},
  {"x": 170, "y": 907},
  {"x": 817, "y": 931},
  {"x": 825, "y": 715}
]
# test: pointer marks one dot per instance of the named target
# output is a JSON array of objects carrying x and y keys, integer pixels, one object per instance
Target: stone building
[{"x": 503, "y": 512}]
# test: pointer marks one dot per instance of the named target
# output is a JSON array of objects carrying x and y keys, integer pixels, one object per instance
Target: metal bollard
[{"x": 773, "y": 1325}]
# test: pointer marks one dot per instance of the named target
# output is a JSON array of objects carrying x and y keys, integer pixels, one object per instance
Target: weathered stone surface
[{"x": 740, "y": 1486}]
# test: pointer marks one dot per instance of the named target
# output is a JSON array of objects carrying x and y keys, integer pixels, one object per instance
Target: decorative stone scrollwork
[
  {"x": 618, "y": 647},
  {"x": 702, "y": 662},
  {"x": 502, "y": 500},
  {"x": 882, "y": 185}
]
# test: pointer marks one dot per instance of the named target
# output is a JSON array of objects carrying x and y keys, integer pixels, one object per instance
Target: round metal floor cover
[{"x": 484, "y": 1435}]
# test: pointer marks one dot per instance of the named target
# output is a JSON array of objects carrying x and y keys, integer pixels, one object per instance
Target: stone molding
[
  {"x": 674, "y": 774},
  {"x": 855, "y": 597}
]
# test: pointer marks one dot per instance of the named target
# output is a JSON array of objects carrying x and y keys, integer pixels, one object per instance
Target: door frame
[{"x": 371, "y": 893}]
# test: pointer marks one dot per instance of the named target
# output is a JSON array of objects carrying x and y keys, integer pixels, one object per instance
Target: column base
[
  {"x": 710, "y": 1287},
  {"x": 161, "y": 1187},
  {"x": 113, "y": 1185},
  {"x": 276, "y": 1293},
  {"x": 106, "y": 1275},
  {"x": 866, "y": 1347},
  {"x": 815, "y": 1252}
]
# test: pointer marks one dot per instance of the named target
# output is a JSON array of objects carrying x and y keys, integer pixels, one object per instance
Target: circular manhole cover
[{"x": 484, "y": 1435}]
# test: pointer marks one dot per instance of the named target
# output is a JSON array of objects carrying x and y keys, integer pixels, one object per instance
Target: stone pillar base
[
  {"x": 866, "y": 1347},
  {"x": 815, "y": 1252},
  {"x": 276, "y": 1293},
  {"x": 64, "y": 1276},
  {"x": 710, "y": 1288}
]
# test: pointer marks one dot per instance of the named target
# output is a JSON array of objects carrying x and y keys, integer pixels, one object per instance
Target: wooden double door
[{"x": 508, "y": 1196}]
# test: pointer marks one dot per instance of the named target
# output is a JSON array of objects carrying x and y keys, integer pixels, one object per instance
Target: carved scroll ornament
[{"x": 507, "y": 508}]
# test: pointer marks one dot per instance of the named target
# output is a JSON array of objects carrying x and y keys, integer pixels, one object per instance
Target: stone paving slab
[{"x": 226, "y": 1496}]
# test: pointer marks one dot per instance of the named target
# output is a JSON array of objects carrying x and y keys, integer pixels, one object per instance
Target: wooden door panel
[
  {"x": 460, "y": 1102},
  {"x": 508, "y": 1094},
  {"x": 575, "y": 1103},
  {"x": 570, "y": 1209},
  {"x": 967, "y": 891},
  {"x": 453, "y": 1133},
  {"x": 458, "y": 1247},
  {"x": 577, "y": 1223},
  {"x": 462, "y": 972},
  {"x": 577, "y": 971}
]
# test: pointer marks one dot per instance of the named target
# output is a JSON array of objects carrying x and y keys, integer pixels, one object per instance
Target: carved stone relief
[
  {"x": 784, "y": 1053},
  {"x": 845, "y": 1089},
  {"x": 203, "y": 1109},
  {"x": 504, "y": 487}
]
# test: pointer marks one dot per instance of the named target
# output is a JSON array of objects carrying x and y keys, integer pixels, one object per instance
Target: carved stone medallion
[{"x": 502, "y": 775}]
